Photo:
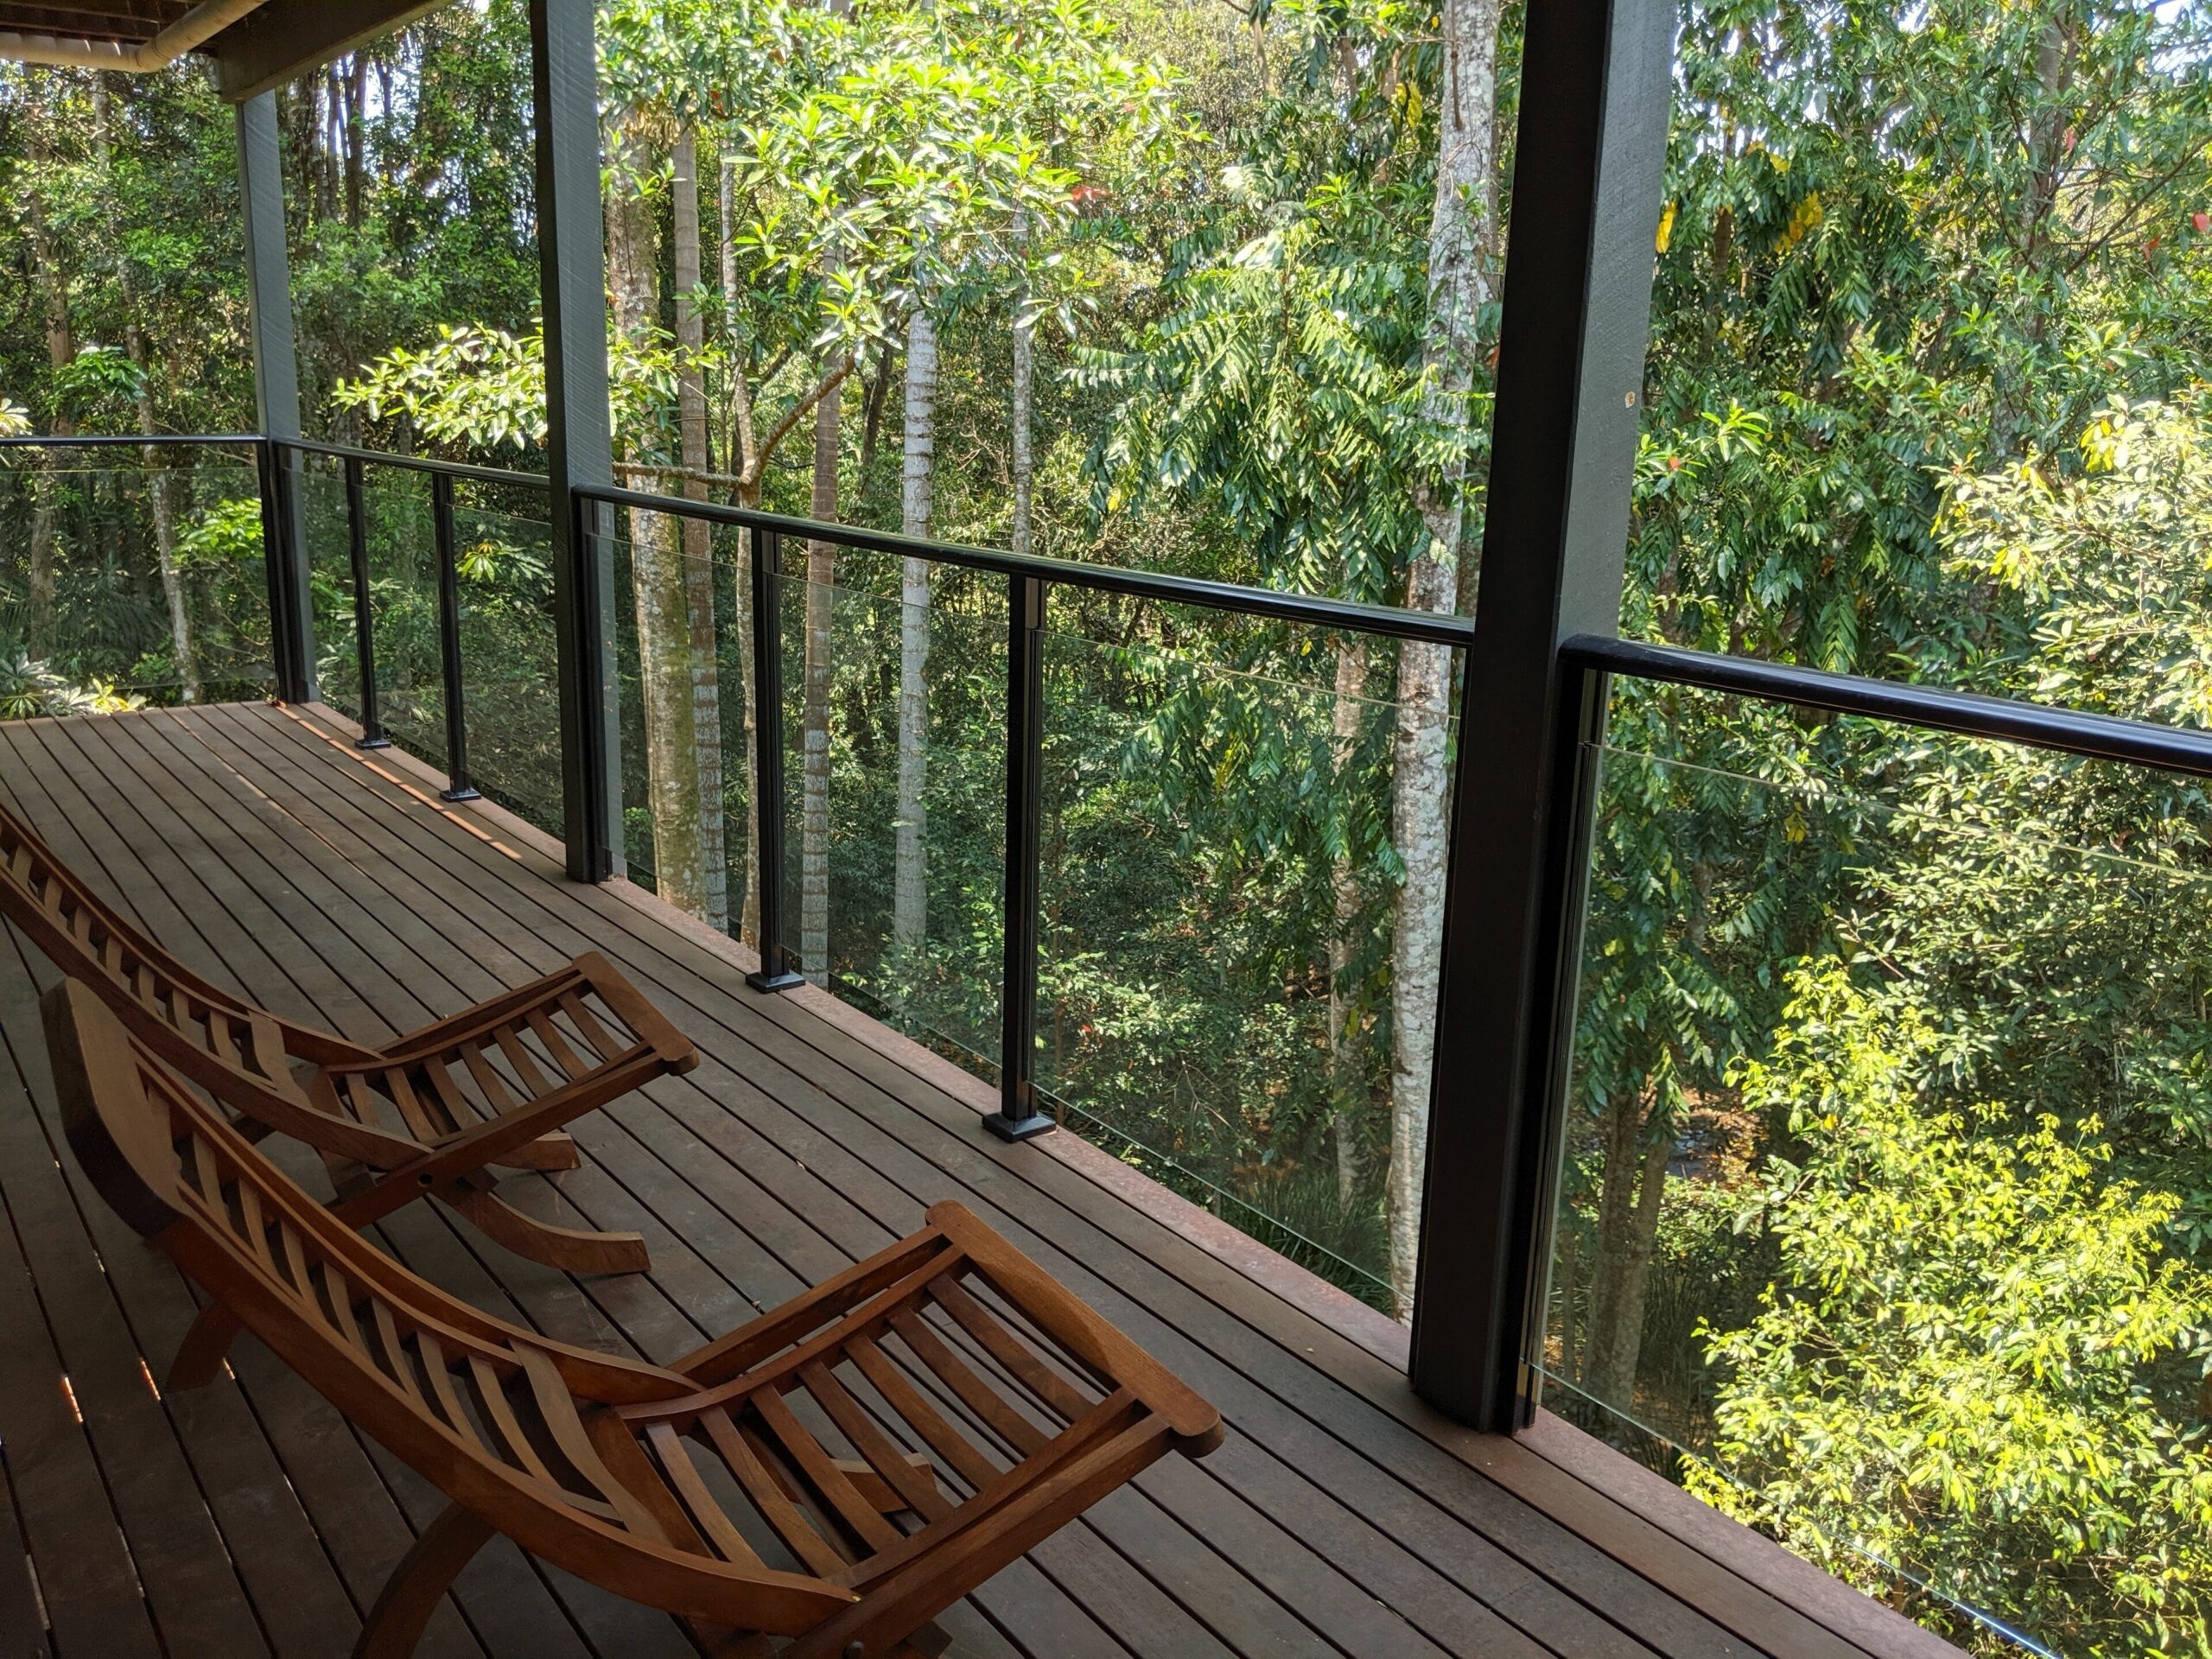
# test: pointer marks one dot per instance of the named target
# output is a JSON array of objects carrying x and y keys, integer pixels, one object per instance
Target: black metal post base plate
[
  {"x": 786, "y": 980},
  {"x": 464, "y": 794},
  {"x": 371, "y": 742},
  {"x": 1019, "y": 1129}
]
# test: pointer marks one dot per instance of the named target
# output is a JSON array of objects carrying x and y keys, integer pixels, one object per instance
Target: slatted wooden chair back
[
  {"x": 486, "y": 1412},
  {"x": 838, "y": 1471},
  {"x": 194, "y": 1024},
  {"x": 577, "y": 1038}
]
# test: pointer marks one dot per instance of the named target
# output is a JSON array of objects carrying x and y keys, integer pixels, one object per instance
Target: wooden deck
[{"x": 1340, "y": 1517}]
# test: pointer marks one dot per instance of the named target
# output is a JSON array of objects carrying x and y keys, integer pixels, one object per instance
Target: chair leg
[
  {"x": 569, "y": 1248},
  {"x": 411, "y": 1594},
  {"x": 556, "y": 1150},
  {"x": 200, "y": 1355}
]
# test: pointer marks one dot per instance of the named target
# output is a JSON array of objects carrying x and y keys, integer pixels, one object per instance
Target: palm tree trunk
[
  {"x": 1025, "y": 369},
  {"x": 698, "y": 535},
  {"x": 910, "y": 881},
  {"x": 739, "y": 459},
  {"x": 821, "y": 615}
]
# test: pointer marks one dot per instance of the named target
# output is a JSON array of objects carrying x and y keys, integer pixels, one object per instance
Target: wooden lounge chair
[
  {"x": 837, "y": 1473},
  {"x": 492, "y": 1084}
]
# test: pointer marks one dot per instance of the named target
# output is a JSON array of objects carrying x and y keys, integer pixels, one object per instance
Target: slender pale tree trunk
[
  {"x": 657, "y": 569},
  {"x": 821, "y": 600},
  {"x": 134, "y": 345},
  {"x": 1461, "y": 228},
  {"x": 698, "y": 535},
  {"x": 739, "y": 456},
  {"x": 60, "y": 351},
  {"x": 918, "y": 480},
  {"x": 1025, "y": 370},
  {"x": 1347, "y": 1073}
]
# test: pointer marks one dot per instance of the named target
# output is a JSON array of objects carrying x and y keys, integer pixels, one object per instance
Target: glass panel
[
  {"x": 905, "y": 924},
  {"x": 1217, "y": 922},
  {"x": 85, "y": 615},
  {"x": 510, "y": 687},
  {"x": 330, "y": 584},
  {"x": 404, "y": 611},
  {"x": 1886, "y": 1219}
]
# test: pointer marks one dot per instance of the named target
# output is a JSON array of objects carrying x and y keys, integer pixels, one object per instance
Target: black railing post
[
  {"x": 365, "y": 632},
  {"x": 1018, "y": 1115},
  {"x": 458, "y": 788},
  {"x": 777, "y": 972}
]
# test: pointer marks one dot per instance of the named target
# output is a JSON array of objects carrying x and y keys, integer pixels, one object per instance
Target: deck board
[{"x": 1339, "y": 1518}]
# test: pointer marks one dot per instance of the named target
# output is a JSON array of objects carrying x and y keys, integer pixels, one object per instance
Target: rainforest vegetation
[{"x": 1886, "y": 1217}]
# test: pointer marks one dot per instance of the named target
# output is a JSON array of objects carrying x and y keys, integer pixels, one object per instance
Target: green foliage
[
  {"x": 31, "y": 689},
  {"x": 1953, "y": 1369}
]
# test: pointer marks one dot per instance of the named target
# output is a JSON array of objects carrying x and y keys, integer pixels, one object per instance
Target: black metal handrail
[
  {"x": 1380, "y": 621},
  {"x": 2040, "y": 725},
  {"x": 139, "y": 440},
  {"x": 429, "y": 464}
]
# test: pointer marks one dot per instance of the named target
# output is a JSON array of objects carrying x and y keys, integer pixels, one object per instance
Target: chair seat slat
[
  {"x": 1008, "y": 1350},
  {"x": 785, "y": 1518},
  {"x": 916, "y": 1411},
  {"x": 820, "y": 1470},
  {"x": 673, "y": 1454},
  {"x": 875, "y": 1447},
  {"x": 974, "y": 1393},
  {"x": 573, "y": 1065}
]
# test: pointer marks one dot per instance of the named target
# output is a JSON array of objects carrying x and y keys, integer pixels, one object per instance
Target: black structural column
[
  {"x": 1019, "y": 1117},
  {"x": 277, "y": 391},
  {"x": 564, "y": 79},
  {"x": 1595, "y": 91}
]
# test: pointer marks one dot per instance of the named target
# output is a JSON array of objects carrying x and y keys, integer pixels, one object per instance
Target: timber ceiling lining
[
  {"x": 271, "y": 42},
  {"x": 130, "y": 23}
]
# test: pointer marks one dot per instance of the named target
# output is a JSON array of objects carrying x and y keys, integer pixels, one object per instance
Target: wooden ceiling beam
[{"x": 287, "y": 38}]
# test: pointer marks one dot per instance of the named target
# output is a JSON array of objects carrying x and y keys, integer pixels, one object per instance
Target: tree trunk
[
  {"x": 355, "y": 83},
  {"x": 1628, "y": 1230},
  {"x": 1459, "y": 231},
  {"x": 910, "y": 883},
  {"x": 698, "y": 537},
  {"x": 134, "y": 342},
  {"x": 1025, "y": 369},
  {"x": 61, "y": 351},
  {"x": 739, "y": 459},
  {"x": 821, "y": 613},
  {"x": 1347, "y": 1073},
  {"x": 656, "y": 571}
]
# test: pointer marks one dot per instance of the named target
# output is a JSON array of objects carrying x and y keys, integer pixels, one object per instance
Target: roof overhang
[{"x": 254, "y": 44}]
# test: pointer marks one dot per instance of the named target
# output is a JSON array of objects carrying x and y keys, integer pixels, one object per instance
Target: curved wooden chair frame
[
  {"x": 425, "y": 1117},
  {"x": 833, "y": 1474}
]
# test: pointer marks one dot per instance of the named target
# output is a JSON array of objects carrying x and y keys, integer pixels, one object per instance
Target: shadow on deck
[{"x": 1340, "y": 1517}]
